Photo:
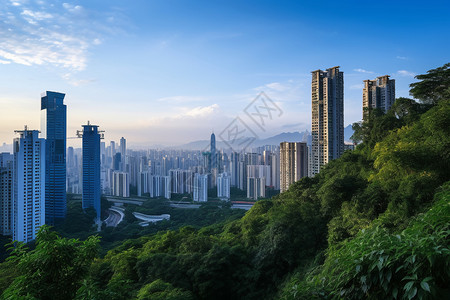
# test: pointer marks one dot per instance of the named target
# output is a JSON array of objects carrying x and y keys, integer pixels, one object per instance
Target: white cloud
[
  {"x": 50, "y": 34},
  {"x": 402, "y": 57},
  {"x": 277, "y": 86},
  {"x": 363, "y": 71},
  {"x": 406, "y": 73},
  {"x": 36, "y": 15},
  {"x": 4, "y": 62},
  {"x": 73, "y": 8},
  {"x": 201, "y": 111}
]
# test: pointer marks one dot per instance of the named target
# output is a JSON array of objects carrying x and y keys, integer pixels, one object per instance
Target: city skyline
[{"x": 159, "y": 80}]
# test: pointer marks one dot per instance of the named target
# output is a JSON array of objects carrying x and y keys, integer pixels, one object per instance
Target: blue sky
[{"x": 169, "y": 72}]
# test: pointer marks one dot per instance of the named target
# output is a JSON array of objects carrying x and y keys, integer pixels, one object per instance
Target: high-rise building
[
  {"x": 256, "y": 187},
  {"x": 200, "y": 188},
  {"x": 213, "y": 156},
  {"x": 378, "y": 93},
  {"x": 259, "y": 171},
  {"x": 223, "y": 186},
  {"x": 327, "y": 116},
  {"x": 234, "y": 167},
  {"x": 6, "y": 193},
  {"x": 91, "y": 194},
  {"x": 181, "y": 181},
  {"x": 123, "y": 146},
  {"x": 159, "y": 186},
  {"x": 121, "y": 184},
  {"x": 28, "y": 205},
  {"x": 274, "y": 162},
  {"x": 293, "y": 163},
  {"x": 53, "y": 130},
  {"x": 143, "y": 183},
  {"x": 123, "y": 151}
]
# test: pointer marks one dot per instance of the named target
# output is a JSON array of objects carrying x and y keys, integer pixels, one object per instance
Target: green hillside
[{"x": 373, "y": 224}]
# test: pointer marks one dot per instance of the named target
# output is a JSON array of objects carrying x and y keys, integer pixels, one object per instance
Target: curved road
[{"x": 115, "y": 217}]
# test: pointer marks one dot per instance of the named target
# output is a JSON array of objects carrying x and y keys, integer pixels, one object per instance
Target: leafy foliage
[
  {"x": 434, "y": 86},
  {"x": 377, "y": 264},
  {"x": 54, "y": 270}
]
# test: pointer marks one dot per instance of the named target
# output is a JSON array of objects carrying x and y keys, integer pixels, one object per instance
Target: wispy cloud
[
  {"x": 363, "y": 71},
  {"x": 405, "y": 73},
  {"x": 402, "y": 57},
  {"x": 49, "y": 33},
  {"x": 202, "y": 111},
  {"x": 357, "y": 86}
]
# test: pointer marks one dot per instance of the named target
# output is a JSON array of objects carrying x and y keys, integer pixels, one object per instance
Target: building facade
[
  {"x": 293, "y": 163},
  {"x": 28, "y": 205},
  {"x": 200, "y": 193},
  {"x": 91, "y": 194},
  {"x": 213, "y": 156},
  {"x": 6, "y": 193},
  {"x": 53, "y": 130},
  {"x": 378, "y": 93},
  {"x": 223, "y": 186},
  {"x": 256, "y": 188},
  {"x": 327, "y": 96},
  {"x": 121, "y": 184}
]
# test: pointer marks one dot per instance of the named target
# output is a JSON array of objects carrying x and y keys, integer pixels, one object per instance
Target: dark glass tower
[
  {"x": 213, "y": 152},
  {"x": 91, "y": 168},
  {"x": 53, "y": 129}
]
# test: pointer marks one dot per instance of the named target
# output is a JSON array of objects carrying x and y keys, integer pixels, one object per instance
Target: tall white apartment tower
[
  {"x": 223, "y": 186},
  {"x": 28, "y": 205},
  {"x": 327, "y": 95},
  {"x": 200, "y": 192},
  {"x": 378, "y": 93}
]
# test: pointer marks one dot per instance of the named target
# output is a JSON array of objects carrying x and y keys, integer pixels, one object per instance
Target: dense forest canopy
[{"x": 372, "y": 224}]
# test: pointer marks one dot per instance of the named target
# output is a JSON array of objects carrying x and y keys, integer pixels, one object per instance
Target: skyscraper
[
  {"x": 91, "y": 168},
  {"x": 6, "y": 193},
  {"x": 327, "y": 116},
  {"x": 223, "y": 186},
  {"x": 293, "y": 163},
  {"x": 200, "y": 193},
  {"x": 53, "y": 129},
  {"x": 256, "y": 187},
  {"x": 378, "y": 93},
  {"x": 28, "y": 205},
  {"x": 123, "y": 151},
  {"x": 213, "y": 151},
  {"x": 121, "y": 184}
]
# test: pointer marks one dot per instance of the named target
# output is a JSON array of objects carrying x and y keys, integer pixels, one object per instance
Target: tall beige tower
[
  {"x": 378, "y": 93},
  {"x": 327, "y": 117},
  {"x": 293, "y": 163}
]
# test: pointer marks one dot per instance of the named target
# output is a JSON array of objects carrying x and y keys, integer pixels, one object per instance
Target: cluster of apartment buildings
[
  {"x": 34, "y": 179},
  {"x": 298, "y": 160}
]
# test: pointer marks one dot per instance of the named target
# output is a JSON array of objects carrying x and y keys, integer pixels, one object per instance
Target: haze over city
[{"x": 171, "y": 72}]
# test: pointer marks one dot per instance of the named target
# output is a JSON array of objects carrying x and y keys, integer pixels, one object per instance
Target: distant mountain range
[
  {"x": 274, "y": 140},
  {"x": 296, "y": 136},
  {"x": 348, "y": 132}
]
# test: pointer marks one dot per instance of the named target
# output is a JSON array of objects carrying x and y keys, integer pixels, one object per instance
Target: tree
[
  {"x": 433, "y": 87},
  {"x": 54, "y": 269}
]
